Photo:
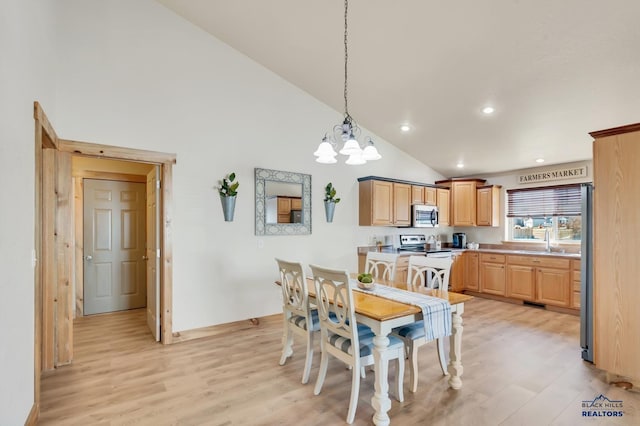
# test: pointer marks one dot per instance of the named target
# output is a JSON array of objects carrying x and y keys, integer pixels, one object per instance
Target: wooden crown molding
[{"x": 615, "y": 131}]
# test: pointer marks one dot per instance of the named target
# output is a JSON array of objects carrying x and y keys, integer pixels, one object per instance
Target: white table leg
[
  {"x": 455, "y": 350},
  {"x": 380, "y": 400}
]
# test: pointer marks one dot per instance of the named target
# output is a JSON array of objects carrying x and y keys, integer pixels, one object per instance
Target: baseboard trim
[
  {"x": 216, "y": 330},
  {"x": 32, "y": 420},
  {"x": 535, "y": 305}
]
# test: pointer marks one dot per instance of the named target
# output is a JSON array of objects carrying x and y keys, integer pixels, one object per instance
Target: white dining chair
[
  {"x": 342, "y": 337},
  {"x": 381, "y": 265},
  {"x": 299, "y": 317},
  {"x": 429, "y": 272}
]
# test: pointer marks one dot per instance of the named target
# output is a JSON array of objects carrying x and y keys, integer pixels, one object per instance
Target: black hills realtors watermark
[{"x": 601, "y": 406}]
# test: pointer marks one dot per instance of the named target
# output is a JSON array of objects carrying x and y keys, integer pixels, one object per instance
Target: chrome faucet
[{"x": 547, "y": 239}]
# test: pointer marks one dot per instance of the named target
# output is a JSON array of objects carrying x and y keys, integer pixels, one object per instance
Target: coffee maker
[{"x": 459, "y": 240}]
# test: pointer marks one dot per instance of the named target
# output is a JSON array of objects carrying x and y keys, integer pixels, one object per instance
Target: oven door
[{"x": 425, "y": 216}]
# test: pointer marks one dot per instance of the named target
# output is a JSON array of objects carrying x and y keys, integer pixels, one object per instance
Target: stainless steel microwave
[{"x": 424, "y": 216}]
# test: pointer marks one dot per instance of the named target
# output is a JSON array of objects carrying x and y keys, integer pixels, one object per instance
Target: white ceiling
[{"x": 553, "y": 70}]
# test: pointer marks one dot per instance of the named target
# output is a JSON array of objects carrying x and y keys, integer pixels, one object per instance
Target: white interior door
[
  {"x": 114, "y": 246},
  {"x": 153, "y": 252}
]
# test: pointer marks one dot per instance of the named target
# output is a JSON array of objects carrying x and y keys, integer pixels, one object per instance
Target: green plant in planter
[
  {"x": 330, "y": 201},
  {"x": 229, "y": 188},
  {"x": 330, "y": 194}
]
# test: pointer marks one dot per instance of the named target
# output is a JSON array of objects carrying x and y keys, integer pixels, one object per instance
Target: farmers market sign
[{"x": 558, "y": 174}]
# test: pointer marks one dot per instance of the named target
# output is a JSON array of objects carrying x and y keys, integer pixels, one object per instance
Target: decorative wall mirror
[{"x": 283, "y": 202}]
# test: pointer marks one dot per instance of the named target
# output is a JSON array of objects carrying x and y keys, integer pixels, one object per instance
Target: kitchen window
[{"x": 534, "y": 212}]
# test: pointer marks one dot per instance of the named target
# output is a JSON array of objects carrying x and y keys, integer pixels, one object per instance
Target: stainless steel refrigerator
[{"x": 586, "y": 273}]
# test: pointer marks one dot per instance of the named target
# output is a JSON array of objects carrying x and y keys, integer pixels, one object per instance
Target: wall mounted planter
[
  {"x": 329, "y": 208},
  {"x": 228, "y": 207}
]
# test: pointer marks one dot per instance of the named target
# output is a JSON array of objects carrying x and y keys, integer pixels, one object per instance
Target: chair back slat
[
  {"x": 295, "y": 293},
  {"x": 381, "y": 265},
  {"x": 430, "y": 272},
  {"x": 334, "y": 300}
]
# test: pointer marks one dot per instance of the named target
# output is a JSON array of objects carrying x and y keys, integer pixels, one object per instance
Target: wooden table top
[{"x": 382, "y": 309}]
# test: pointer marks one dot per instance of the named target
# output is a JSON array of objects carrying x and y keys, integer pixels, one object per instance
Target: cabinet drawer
[
  {"x": 575, "y": 265},
  {"x": 576, "y": 286},
  {"x": 490, "y": 257},
  {"x": 547, "y": 262},
  {"x": 575, "y": 276}
]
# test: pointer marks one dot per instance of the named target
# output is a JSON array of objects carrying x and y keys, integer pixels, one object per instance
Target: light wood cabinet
[
  {"x": 471, "y": 271},
  {"x": 384, "y": 203},
  {"x": 539, "y": 279},
  {"x": 463, "y": 203},
  {"x": 402, "y": 268},
  {"x": 443, "y": 201},
  {"x": 488, "y": 205},
  {"x": 401, "y": 204},
  {"x": 430, "y": 196},
  {"x": 417, "y": 194},
  {"x": 376, "y": 203},
  {"x": 456, "y": 275},
  {"x": 492, "y": 274},
  {"x": 616, "y": 202}
]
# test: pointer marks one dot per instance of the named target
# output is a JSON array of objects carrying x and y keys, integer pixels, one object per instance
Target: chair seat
[
  {"x": 301, "y": 322},
  {"x": 412, "y": 331},
  {"x": 365, "y": 336}
]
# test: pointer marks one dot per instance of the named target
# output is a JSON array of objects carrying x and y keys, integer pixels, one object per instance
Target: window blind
[{"x": 563, "y": 200}]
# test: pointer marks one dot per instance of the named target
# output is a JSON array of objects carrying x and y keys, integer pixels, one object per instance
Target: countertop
[{"x": 555, "y": 253}]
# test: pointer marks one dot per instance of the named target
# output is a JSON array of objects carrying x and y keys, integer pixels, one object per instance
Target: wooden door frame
[
  {"x": 166, "y": 162},
  {"x": 52, "y": 276}
]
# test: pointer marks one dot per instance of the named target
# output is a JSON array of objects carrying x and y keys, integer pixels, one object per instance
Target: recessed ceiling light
[
  {"x": 539, "y": 160},
  {"x": 405, "y": 127},
  {"x": 488, "y": 110},
  {"x": 460, "y": 165}
]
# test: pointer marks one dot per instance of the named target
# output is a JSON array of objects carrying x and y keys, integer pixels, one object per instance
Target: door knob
[{"x": 88, "y": 257}]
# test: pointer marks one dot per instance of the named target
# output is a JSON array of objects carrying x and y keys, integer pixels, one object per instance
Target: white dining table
[{"x": 383, "y": 315}]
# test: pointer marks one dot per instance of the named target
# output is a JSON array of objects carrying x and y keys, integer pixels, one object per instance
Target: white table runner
[{"x": 435, "y": 311}]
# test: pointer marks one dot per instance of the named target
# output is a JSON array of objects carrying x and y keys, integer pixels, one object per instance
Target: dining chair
[
  {"x": 299, "y": 316},
  {"x": 343, "y": 338},
  {"x": 381, "y": 265},
  {"x": 429, "y": 272}
]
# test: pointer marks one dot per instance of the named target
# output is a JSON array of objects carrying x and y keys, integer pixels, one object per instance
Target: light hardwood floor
[{"x": 522, "y": 366}]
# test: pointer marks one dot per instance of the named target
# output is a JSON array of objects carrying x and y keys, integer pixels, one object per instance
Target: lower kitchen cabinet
[
  {"x": 521, "y": 283},
  {"x": 575, "y": 284},
  {"x": 492, "y": 274},
  {"x": 471, "y": 271},
  {"x": 539, "y": 279},
  {"x": 456, "y": 276}
]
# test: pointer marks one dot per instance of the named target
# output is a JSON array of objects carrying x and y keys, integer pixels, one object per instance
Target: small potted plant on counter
[
  {"x": 330, "y": 201},
  {"x": 228, "y": 191}
]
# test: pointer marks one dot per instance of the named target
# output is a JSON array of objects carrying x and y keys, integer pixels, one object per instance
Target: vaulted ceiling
[{"x": 553, "y": 70}]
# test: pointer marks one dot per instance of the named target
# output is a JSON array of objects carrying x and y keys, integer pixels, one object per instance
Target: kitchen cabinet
[
  {"x": 488, "y": 205},
  {"x": 417, "y": 194},
  {"x": 456, "y": 276},
  {"x": 616, "y": 202},
  {"x": 443, "y": 201},
  {"x": 402, "y": 268},
  {"x": 376, "y": 203},
  {"x": 430, "y": 196},
  {"x": 384, "y": 203},
  {"x": 471, "y": 271},
  {"x": 401, "y": 204},
  {"x": 463, "y": 200},
  {"x": 575, "y": 284},
  {"x": 539, "y": 279},
  {"x": 492, "y": 274}
]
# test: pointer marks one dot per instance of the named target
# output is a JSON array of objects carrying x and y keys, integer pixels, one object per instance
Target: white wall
[
  {"x": 26, "y": 32},
  {"x": 509, "y": 180},
  {"x": 135, "y": 74}
]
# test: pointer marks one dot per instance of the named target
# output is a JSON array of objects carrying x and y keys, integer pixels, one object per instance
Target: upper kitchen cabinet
[
  {"x": 488, "y": 205},
  {"x": 463, "y": 200},
  {"x": 423, "y": 195},
  {"x": 443, "y": 201},
  {"x": 616, "y": 202},
  {"x": 384, "y": 203}
]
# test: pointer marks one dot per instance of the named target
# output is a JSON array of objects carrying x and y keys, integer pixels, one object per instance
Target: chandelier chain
[{"x": 346, "y": 58}]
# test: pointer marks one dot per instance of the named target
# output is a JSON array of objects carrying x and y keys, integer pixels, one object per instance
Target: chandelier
[{"x": 348, "y": 131}]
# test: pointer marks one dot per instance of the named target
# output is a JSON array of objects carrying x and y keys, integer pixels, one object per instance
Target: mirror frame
[{"x": 262, "y": 227}]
